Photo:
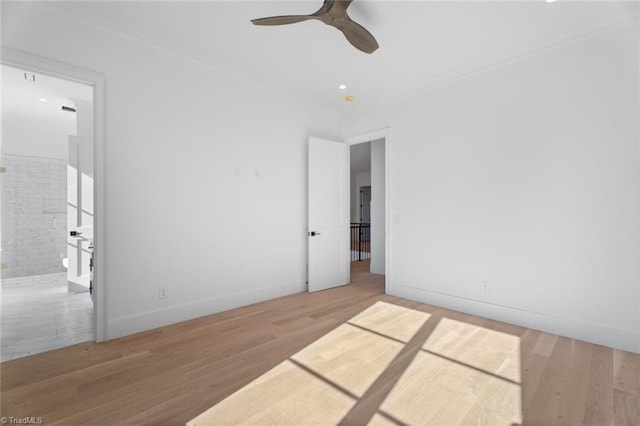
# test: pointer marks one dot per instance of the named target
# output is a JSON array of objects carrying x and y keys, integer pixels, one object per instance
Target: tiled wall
[{"x": 34, "y": 215}]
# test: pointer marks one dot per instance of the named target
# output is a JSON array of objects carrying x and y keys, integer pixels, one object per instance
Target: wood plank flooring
[{"x": 431, "y": 365}]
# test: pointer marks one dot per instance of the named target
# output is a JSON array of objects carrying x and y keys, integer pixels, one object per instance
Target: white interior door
[{"x": 328, "y": 233}]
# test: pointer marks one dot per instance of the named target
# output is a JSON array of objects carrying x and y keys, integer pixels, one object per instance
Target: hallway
[{"x": 360, "y": 274}]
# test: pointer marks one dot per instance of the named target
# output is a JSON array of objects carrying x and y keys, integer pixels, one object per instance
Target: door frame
[
  {"x": 384, "y": 133},
  {"x": 18, "y": 59}
]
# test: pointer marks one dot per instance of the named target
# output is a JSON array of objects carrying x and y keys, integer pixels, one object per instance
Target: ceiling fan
[{"x": 334, "y": 13}]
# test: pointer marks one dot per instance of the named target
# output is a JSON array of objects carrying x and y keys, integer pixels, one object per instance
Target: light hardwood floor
[{"x": 173, "y": 374}]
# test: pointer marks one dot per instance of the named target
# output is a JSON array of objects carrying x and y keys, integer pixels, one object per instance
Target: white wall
[
  {"x": 358, "y": 180},
  {"x": 527, "y": 177},
  {"x": 47, "y": 139},
  {"x": 205, "y": 174},
  {"x": 377, "y": 207}
]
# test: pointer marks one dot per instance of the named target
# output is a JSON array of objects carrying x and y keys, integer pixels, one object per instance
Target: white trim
[
  {"x": 152, "y": 43},
  {"x": 481, "y": 68},
  {"x": 638, "y": 199},
  {"x": 136, "y": 323},
  {"x": 601, "y": 334},
  {"x": 369, "y": 137},
  {"x": 424, "y": 86},
  {"x": 53, "y": 68}
]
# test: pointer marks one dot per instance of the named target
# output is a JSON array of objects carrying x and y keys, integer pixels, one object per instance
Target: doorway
[
  {"x": 47, "y": 131},
  {"x": 329, "y": 198},
  {"x": 368, "y": 212}
]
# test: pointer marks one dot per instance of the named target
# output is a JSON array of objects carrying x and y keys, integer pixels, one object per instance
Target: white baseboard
[
  {"x": 149, "y": 320},
  {"x": 618, "y": 338}
]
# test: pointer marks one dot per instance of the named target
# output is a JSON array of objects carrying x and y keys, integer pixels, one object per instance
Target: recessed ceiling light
[
  {"x": 550, "y": 1},
  {"x": 349, "y": 98},
  {"x": 342, "y": 87},
  {"x": 42, "y": 100}
]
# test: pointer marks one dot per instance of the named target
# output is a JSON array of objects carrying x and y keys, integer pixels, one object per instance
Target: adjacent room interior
[
  {"x": 47, "y": 187},
  {"x": 485, "y": 207}
]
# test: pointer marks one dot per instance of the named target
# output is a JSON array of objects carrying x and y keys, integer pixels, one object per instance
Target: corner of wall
[{"x": 618, "y": 338}]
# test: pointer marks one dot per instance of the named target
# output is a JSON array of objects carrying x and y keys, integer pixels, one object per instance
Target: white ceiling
[
  {"x": 422, "y": 43},
  {"x": 40, "y": 101}
]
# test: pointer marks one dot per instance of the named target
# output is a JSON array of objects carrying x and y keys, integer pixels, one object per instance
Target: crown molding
[
  {"x": 115, "y": 30},
  {"x": 409, "y": 92},
  {"x": 524, "y": 54}
]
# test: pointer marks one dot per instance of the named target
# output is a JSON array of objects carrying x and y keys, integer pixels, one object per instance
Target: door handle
[{"x": 313, "y": 233}]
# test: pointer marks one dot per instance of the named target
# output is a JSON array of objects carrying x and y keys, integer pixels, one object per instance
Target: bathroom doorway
[{"x": 47, "y": 171}]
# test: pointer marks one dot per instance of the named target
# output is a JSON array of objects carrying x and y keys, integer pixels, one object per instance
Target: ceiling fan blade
[
  {"x": 282, "y": 20},
  {"x": 357, "y": 35},
  {"x": 338, "y": 7},
  {"x": 334, "y": 13}
]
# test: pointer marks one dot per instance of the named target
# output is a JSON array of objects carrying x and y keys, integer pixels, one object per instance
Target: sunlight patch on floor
[
  {"x": 394, "y": 321},
  {"x": 349, "y": 357},
  {"x": 378, "y": 420},
  {"x": 482, "y": 348},
  {"x": 464, "y": 374},
  {"x": 460, "y": 374},
  {"x": 287, "y": 395},
  {"x": 434, "y": 390}
]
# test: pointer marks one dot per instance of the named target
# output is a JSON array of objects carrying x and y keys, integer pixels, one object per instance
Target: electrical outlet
[
  {"x": 163, "y": 293},
  {"x": 485, "y": 286},
  {"x": 4, "y": 266}
]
